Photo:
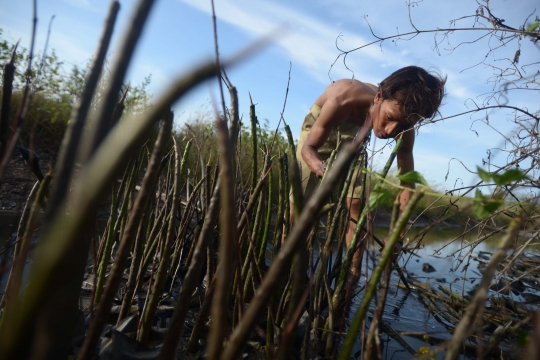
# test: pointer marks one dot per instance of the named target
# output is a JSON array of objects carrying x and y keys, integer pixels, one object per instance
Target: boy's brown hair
[{"x": 416, "y": 90}]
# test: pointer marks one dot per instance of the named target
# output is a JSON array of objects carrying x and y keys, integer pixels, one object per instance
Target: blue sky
[{"x": 179, "y": 35}]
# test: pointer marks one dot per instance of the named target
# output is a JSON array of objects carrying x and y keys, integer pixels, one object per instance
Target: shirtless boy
[{"x": 406, "y": 97}]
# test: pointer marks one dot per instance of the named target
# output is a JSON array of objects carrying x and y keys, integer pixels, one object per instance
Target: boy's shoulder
[{"x": 352, "y": 89}]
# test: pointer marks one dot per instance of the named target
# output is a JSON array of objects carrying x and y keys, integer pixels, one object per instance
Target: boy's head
[{"x": 417, "y": 91}]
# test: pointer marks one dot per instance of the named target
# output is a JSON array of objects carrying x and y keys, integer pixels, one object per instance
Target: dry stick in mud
[
  {"x": 376, "y": 275},
  {"x": 476, "y": 305},
  {"x": 176, "y": 325},
  {"x": 157, "y": 290},
  {"x": 64, "y": 247},
  {"x": 113, "y": 281},
  {"x": 282, "y": 262}
]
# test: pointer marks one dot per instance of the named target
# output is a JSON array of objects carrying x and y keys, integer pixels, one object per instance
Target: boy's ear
[{"x": 377, "y": 98}]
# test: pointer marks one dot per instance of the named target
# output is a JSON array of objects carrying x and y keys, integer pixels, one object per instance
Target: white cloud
[
  {"x": 84, "y": 4},
  {"x": 310, "y": 43},
  {"x": 68, "y": 47}
]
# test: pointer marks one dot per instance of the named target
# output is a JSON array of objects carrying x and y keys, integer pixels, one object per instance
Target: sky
[{"x": 179, "y": 35}]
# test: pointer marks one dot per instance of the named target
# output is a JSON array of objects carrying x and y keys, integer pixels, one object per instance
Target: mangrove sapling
[
  {"x": 127, "y": 299},
  {"x": 178, "y": 249},
  {"x": 157, "y": 290},
  {"x": 282, "y": 199},
  {"x": 115, "y": 221},
  {"x": 300, "y": 290},
  {"x": 253, "y": 120},
  {"x": 327, "y": 249},
  {"x": 108, "y": 241},
  {"x": 281, "y": 263},
  {"x": 290, "y": 139},
  {"x": 476, "y": 305},
  {"x": 385, "y": 258},
  {"x": 119, "y": 264},
  {"x": 103, "y": 122},
  {"x": 353, "y": 246},
  {"x": 247, "y": 278},
  {"x": 262, "y": 247},
  {"x": 119, "y": 109},
  {"x": 12, "y": 308},
  {"x": 251, "y": 203},
  {"x": 298, "y": 270},
  {"x": 238, "y": 307},
  {"x": 24, "y": 105},
  {"x": 64, "y": 247},
  {"x": 201, "y": 318},
  {"x": 151, "y": 244},
  {"x": 176, "y": 325},
  {"x": 285, "y": 177},
  {"x": 227, "y": 243},
  {"x": 20, "y": 234},
  {"x": 7, "y": 89},
  {"x": 373, "y": 349}
]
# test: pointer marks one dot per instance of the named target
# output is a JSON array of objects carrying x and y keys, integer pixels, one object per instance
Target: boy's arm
[
  {"x": 331, "y": 114},
  {"x": 405, "y": 162}
]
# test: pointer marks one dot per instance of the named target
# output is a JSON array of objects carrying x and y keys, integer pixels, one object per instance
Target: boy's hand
[{"x": 321, "y": 169}]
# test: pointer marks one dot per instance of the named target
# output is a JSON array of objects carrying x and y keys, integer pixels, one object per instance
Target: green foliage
[
  {"x": 55, "y": 93},
  {"x": 533, "y": 26},
  {"x": 413, "y": 177},
  {"x": 201, "y": 128},
  {"x": 484, "y": 206},
  {"x": 61, "y": 85},
  {"x": 380, "y": 196},
  {"x": 506, "y": 178}
]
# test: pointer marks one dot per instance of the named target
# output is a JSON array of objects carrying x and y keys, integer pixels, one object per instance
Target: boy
[{"x": 406, "y": 97}]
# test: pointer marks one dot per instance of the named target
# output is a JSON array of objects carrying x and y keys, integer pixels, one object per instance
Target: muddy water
[{"x": 406, "y": 312}]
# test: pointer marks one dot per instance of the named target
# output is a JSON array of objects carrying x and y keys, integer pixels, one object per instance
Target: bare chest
[{"x": 356, "y": 118}]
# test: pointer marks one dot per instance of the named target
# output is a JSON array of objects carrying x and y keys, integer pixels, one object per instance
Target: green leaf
[
  {"x": 413, "y": 177},
  {"x": 484, "y": 175},
  {"x": 483, "y": 207},
  {"x": 509, "y": 176},
  {"x": 378, "y": 197},
  {"x": 533, "y": 26}
]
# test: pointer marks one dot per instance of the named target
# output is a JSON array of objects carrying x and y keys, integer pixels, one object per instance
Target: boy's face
[{"x": 387, "y": 118}]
